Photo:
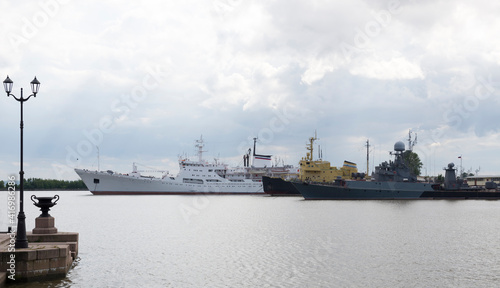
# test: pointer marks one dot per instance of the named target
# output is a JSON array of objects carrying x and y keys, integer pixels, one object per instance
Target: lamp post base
[{"x": 21, "y": 239}]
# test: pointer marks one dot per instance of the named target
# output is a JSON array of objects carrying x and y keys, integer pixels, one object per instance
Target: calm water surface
[{"x": 262, "y": 241}]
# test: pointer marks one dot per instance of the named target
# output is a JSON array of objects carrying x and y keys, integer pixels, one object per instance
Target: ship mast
[
  {"x": 410, "y": 143},
  {"x": 309, "y": 156},
  {"x": 367, "y": 156},
  {"x": 254, "y": 141},
  {"x": 200, "y": 145},
  {"x": 98, "y": 164}
]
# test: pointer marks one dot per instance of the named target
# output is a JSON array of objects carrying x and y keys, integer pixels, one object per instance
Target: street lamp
[{"x": 21, "y": 239}]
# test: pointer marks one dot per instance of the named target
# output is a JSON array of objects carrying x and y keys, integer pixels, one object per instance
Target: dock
[{"x": 48, "y": 256}]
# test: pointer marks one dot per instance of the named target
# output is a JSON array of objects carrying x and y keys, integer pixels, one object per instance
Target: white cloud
[
  {"x": 394, "y": 68},
  {"x": 317, "y": 68}
]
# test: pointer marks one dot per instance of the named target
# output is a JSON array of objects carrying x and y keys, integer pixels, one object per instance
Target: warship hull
[{"x": 361, "y": 190}]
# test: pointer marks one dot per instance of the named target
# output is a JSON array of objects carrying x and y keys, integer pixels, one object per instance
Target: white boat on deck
[{"x": 194, "y": 177}]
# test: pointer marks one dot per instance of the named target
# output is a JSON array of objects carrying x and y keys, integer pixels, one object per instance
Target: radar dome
[{"x": 399, "y": 146}]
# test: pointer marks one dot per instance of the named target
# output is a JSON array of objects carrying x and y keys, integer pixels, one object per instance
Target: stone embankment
[{"x": 50, "y": 254}]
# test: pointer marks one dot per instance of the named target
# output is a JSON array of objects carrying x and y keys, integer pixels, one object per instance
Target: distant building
[{"x": 481, "y": 180}]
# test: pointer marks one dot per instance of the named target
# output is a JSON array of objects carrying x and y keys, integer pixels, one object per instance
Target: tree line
[{"x": 48, "y": 184}]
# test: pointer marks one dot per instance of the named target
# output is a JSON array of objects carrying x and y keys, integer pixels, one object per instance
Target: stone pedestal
[{"x": 44, "y": 225}]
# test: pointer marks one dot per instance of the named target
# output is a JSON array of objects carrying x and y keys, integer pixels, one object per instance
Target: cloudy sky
[{"x": 140, "y": 81}]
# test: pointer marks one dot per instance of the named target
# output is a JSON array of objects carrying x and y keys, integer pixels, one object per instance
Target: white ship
[{"x": 194, "y": 177}]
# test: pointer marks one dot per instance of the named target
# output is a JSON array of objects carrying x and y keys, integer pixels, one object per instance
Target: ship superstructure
[
  {"x": 321, "y": 171},
  {"x": 255, "y": 166}
]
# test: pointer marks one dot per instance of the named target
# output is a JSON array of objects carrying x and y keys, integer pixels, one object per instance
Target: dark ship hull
[
  {"x": 360, "y": 190},
  {"x": 279, "y": 187}
]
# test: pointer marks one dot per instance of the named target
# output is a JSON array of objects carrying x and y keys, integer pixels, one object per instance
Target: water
[{"x": 262, "y": 241}]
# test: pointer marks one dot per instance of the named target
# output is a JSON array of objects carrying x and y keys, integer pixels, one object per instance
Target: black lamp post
[{"x": 21, "y": 239}]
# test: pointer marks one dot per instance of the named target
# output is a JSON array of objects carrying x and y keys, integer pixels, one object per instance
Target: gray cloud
[{"x": 233, "y": 70}]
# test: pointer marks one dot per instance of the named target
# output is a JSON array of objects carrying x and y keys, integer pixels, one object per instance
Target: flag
[
  {"x": 349, "y": 164},
  {"x": 263, "y": 157}
]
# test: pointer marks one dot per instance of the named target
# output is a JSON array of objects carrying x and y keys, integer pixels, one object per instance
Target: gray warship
[{"x": 394, "y": 180}]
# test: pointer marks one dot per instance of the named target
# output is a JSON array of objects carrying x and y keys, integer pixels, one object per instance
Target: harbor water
[{"x": 263, "y": 241}]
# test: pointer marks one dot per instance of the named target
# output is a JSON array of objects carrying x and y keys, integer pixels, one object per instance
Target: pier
[{"x": 50, "y": 254}]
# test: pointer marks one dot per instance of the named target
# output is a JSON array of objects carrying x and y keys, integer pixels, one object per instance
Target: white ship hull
[
  {"x": 194, "y": 177},
  {"x": 104, "y": 183}
]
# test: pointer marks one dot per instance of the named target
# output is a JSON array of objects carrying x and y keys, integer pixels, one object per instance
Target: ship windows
[
  {"x": 192, "y": 181},
  {"x": 96, "y": 181}
]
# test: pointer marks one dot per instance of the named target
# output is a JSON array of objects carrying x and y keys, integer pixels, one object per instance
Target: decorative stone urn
[
  {"x": 44, "y": 224},
  {"x": 44, "y": 203}
]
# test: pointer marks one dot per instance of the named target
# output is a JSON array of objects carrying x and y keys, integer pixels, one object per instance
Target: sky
[{"x": 140, "y": 81}]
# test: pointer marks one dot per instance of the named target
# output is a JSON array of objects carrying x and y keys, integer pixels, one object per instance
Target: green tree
[
  {"x": 413, "y": 161},
  {"x": 440, "y": 178},
  {"x": 52, "y": 184}
]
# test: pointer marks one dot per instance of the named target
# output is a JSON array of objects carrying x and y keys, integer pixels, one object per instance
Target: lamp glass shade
[
  {"x": 35, "y": 85},
  {"x": 7, "y": 84}
]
